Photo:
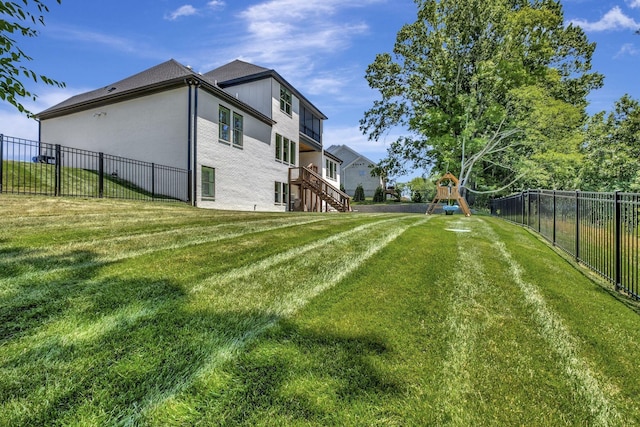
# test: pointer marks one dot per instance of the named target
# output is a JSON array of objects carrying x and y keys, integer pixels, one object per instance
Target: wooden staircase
[{"x": 314, "y": 189}]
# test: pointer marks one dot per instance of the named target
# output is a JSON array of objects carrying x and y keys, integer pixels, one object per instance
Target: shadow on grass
[
  {"x": 88, "y": 347},
  {"x": 299, "y": 375},
  {"x": 31, "y": 296}
]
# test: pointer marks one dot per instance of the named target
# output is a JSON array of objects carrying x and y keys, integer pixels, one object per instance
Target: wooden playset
[{"x": 446, "y": 190}]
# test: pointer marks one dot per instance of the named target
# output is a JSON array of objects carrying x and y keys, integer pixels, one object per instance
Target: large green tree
[
  {"x": 491, "y": 90},
  {"x": 19, "y": 19},
  {"x": 612, "y": 149}
]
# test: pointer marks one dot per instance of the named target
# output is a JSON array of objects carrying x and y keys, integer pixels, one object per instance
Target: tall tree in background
[
  {"x": 612, "y": 149},
  {"x": 491, "y": 90},
  {"x": 19, "y": 19}
]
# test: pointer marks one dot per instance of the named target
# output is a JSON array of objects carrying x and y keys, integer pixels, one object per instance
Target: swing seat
[{"x": 450, "y": 209}]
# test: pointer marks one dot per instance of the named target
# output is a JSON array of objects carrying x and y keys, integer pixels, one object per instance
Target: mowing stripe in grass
[
  {"x": 267, "y": 263},
  {"x": 470, "y": 281},
  {"x": 290, "y": 300},
  {"x": 6, "y": 284},
  {"x": 176, "y": 238},
  {"x": 563, "y": 343}
]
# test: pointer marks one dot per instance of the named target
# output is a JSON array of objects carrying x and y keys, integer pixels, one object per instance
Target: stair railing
[{"x": 330, "y": 194}]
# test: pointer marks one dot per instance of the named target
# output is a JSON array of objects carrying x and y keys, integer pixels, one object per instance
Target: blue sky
[{"x": 322, "y": 47}]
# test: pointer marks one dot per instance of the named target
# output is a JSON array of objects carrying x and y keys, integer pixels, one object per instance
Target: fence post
[
  {"x": 554, "y": 217},
  {"x": 618, "y": 240},
  {"x": 577, "y": 225},
  {"x": 189, "y": 185},
  {"x": 522, "y": 199},
  {"x": 153, "y": 181},
  {"x": 58, "y": 177},
  {"x": 1, "y": 159},
  {"x": 539, "y": 199},
  {"x": 100, "y": 175}
]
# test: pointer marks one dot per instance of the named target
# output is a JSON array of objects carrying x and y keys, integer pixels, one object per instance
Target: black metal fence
[
  {"x": 38, "y": 168},
  {"x": 599, "y": 229}
]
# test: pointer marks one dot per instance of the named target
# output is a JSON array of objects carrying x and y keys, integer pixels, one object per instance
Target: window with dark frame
[
  {"x": 285, "y": 100},
  {"x": 285, "y": 150},
  {"x": 292, "y": 156},
  {"x": 208, "y": 181},
  {"x": 310, "y": 124},
  {"x": 237, "y": 129},
  {"x": 224, "y": 124},
  {"x": 331, "y": 169},
  {"x": 278, "y": 192},
  {"x": 281, "y": 193},
  {"x": 278, "y": 147}
]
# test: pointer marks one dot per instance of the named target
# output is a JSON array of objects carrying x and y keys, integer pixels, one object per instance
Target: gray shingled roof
[
  {"x": 167, "y": 71},
  {"x": 168, "y": 74},
  {"x": 347, "y": 154},
  {"x": 171, "y": 73},
  {"x": 235, "y": 70}
]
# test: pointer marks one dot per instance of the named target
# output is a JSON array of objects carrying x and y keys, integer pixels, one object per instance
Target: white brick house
[{"x": 238, "y": 129}]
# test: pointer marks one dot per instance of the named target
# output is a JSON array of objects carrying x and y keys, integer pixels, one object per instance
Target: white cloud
[
  {"x": 326, "y": 84},
  {"x": 634, "y": 4},
  {"x": 17, "y": 125},
  {"x": 627, "y": 49},
  {"x": 190, "y": 10},
  {"x": 186, "y": 10},
  {"x": 216, "y": 4},
  {"x": 279, "y": 30},
  {"x": 615, "y": 19}
]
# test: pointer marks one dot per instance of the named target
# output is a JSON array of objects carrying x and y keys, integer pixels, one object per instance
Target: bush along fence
[
  {"x": 600, "y": 230},
  {"x": 38, "y": 168}
]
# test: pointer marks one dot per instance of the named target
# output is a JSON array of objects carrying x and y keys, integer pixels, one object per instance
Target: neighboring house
[
  {"x": 242, "y": 131},
  {"x": 356, "y": 170}
]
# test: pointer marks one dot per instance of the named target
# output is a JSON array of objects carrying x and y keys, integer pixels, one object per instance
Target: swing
[{"x": 448, "y": 192}]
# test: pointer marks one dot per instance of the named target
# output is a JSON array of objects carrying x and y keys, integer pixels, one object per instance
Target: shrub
[
  {"x": 358, "y": 196},
  {"x": 378, "y": 196},
  {"x": 416, "y": 197}
]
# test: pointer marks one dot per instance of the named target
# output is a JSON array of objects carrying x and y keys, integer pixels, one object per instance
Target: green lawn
[
  {"x": 20, "y": 177},
  {"x": 131, "y": 313}
]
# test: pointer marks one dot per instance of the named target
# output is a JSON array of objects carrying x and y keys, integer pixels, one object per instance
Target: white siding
[
  {"x": 312, "y": 158},
  {"x": 286, "y": 125},
  {"x": 257, "y": 94},
  {"x": 245, "y": 176},
  {"x": 152, "y": 129},
  {"x": 359, "y": 172}
]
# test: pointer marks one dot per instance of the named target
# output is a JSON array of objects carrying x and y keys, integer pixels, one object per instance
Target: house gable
[
  {"x": 348, "y": 156},
  {"x": 239, "y": 73}
]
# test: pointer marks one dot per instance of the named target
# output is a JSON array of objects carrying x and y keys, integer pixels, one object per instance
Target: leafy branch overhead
[
  {"x": 484, "y": 88},
  {"x": 19, "y": 20}
]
